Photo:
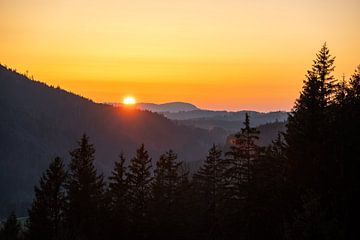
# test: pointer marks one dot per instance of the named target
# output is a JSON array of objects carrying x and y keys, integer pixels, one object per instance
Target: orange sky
[{"x": 229, "y": 54}]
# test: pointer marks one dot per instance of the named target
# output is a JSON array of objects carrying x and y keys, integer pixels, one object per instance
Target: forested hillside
[{"x": 38, "y": 122}]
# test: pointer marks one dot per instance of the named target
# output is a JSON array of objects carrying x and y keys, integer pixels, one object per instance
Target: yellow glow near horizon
[
  {"x": 129, "y": 100},
  {"x": 231, "y": 54}
]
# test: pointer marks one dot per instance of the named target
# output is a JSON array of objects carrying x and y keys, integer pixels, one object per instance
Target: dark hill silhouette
[{"x": 39, "y": 122}]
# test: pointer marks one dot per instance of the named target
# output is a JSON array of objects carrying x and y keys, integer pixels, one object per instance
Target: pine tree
[
  {"x": 139, "y": 179},
  {"x": 11, "y": 229},
  {"x": 240, "y": 158},
  {"x": 353, "y": 92},
  {"x": 209, "y": 183},
  {"x": 309, "y": 123},
  {"x": 239, "y": 175},
  {"x": 345, "y": 150},
  {"x": 322, "y": 69},
  {"x": 167, "y": 189},
  {"x": 167, "y": 178},
  {"x": 46, "y": 216},
  {"x": 267, "y": 201},
  {"x": 85, "y": 193},
  {"x": 314, "y": 151},
  {"x": 118, "y": 190}
]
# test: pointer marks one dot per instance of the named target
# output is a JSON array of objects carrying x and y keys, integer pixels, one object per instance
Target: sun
[{"x": 129, "y": 100}]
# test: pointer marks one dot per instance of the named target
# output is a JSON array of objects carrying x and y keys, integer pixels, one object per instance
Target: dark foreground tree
[
  {"x": 118, "y": 204},
  {"x": 315, "y": 140},
  {"x": 209, "y": 182},
  {"x": 167, "y": 189},
  {"x": 85, "y": 193},
  {"x": 139, "y": 179},
  {"x": 309, "y": 122},
  {"x": 239, "y": 181},
  {"x": 46, "y": 216},
  {"x": 11, "y": 229}
]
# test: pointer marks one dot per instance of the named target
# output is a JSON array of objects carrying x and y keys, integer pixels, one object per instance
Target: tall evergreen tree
[
  {"x": 11, "y": 229},
  {"x": 139, "y": 180},
  {"x": 46, "y": 216},
  {"x": 240, "y": 158},
  {"x": 239, "y": 173},
  {"x": 167, "y": 189},
  {"x": 308, "y": 123},
  {"x": 85, "y": 192},
  {"x": 118, "y": 190},
  {"x": 345, "y": 149},
  {"x": 209, "y": 182},
  {"x": 267, "y": 200},
  {"x": 314, "y": 152}
]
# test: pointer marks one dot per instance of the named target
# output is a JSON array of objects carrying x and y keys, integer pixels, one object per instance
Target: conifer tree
[
  {"x": 118, "y": 190},
  {"x": 46, "y": 216},
  {"x": 309, "y": 122},
  {"x": 239, "y": 176},
  {"x": 346, "y": 151},
  {"x": 139, "y": 180},
  {"x": 85, "y": 193},
  {"x": 209, "y": 183},
  {"x": 240, "y": 158},
  {"x": 167, "y": 178},
  {"x": 267, "y": 201},
  {"x": 353, "y": 92},
  {"x": 167, "y": 189},
  {"x": 11, "y": 229}
]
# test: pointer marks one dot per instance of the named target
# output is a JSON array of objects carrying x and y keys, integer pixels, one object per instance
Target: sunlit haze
[{"x": 230, "y": 54}]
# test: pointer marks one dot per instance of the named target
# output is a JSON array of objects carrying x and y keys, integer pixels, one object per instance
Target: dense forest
[{"x": 302, "y": 186}]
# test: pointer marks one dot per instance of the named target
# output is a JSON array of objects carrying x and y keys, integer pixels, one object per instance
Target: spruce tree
[
  {"x": 239, "y": 176},
  {"x": 118, "y": 190},
  {"x": 46, "y": 216},
  {"x": 85, "y": 193},
  {"x": 209, "y": 182},
  {"x": 309, "y": 123},
  {"x": 167, "y": 189},
  {"x": 240, "y": 159},
  {"x": 267, "y": 201},
  {"x": 11, "y": 229},
  {"x": 346, "y": 150},
  {"x": 139, "y": 180}
]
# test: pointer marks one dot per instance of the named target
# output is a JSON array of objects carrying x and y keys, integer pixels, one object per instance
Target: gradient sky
[{"x": 217, "y": 54}]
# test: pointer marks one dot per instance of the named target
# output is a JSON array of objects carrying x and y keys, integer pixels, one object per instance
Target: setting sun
[{"x": 129, "y": 100}]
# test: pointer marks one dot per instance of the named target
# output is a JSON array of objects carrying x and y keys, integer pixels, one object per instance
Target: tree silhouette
[
  {"x": 11, "y": 229},
  {"x": 85, "y": 193},
  {"x": 239, "y": 176},
  {"x": 309, "y": 121},
  {"x": 242, "y": 152},
  {"x": 118, "y": 190},
  {"x": 46, "y": 216},
  {"x": 139, "y": 179},
  {"x": 210, "y": 186},
  {"x": 167, "y": 189}
]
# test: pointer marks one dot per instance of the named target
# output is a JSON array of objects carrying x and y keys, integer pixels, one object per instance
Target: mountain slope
[{"x": 38, "y": 122}]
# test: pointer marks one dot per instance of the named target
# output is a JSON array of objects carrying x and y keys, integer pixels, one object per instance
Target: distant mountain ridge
[
  {"x": 190, "y": 115},
  {"x": 171, "y": 107}
]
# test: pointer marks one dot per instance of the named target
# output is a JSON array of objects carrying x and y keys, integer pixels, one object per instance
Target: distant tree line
[{"x": 303, "y": 186}]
